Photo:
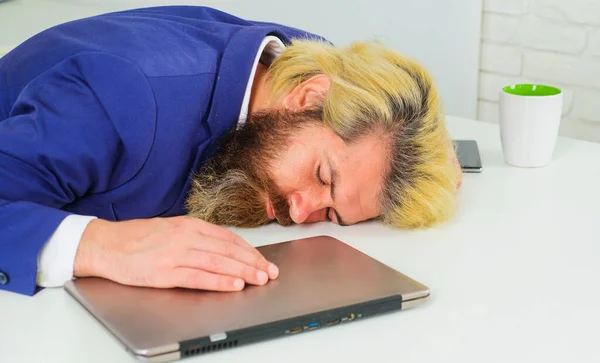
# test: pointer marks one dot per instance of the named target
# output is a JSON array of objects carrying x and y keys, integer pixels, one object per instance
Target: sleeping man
[{"x": 128, "y": 140}]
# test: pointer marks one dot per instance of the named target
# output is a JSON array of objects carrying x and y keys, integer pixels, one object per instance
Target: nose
[{"x": 304, "y": 209}]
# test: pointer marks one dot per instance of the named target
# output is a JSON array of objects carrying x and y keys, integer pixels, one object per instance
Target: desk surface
[{"x": 514, "y": 277}]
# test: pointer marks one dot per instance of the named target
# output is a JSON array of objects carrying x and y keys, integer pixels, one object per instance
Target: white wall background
[
  {"x": 443, "y": 35},
  {"x": 555, "y": 42}
]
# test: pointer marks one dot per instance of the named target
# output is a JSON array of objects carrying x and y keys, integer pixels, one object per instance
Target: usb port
[
  {"x": 296, "y": 330},
  {"x": 315, "y": 325},
  {"x": 333, "y": 322}
]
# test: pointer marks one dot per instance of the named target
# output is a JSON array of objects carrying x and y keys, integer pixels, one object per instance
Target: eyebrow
[{"x": 334, "y": 181}]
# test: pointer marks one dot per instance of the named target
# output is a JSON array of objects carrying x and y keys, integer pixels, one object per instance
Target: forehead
[{"x": 361, "y": 166}]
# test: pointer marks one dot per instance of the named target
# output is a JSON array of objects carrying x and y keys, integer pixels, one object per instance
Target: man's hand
[{"x": 170, "y": 252}]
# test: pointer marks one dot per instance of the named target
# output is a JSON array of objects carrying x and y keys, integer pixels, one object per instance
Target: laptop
[{"x": 323, "y": 282}]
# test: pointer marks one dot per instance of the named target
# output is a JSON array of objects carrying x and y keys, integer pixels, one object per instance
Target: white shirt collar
[{"x": 270, "y": 48}]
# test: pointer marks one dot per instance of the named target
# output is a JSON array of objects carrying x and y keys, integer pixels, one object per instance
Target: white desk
[{"x": 514, "y": 278}]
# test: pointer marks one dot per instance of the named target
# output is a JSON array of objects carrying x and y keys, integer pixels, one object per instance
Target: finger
[
  {"x": 233, "y": 251},
  {"x": 222, "y": 233},
  {"x": 225, "y": 234},
  {"x": 221, "y": 265},
  {"x": 192, "y": 278}
]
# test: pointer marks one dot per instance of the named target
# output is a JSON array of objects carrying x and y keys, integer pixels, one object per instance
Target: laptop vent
[{"x": 210, "y": 348}]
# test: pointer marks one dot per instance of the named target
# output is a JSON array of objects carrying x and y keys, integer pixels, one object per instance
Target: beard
[{"x": 232, "y": 186}]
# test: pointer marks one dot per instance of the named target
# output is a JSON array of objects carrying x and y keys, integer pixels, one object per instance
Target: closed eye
[{"x": 318, "y": 175}]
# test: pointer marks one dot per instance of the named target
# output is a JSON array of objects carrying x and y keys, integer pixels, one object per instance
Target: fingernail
[
  {"x": 262, "y": 277},
  {"x": 273, "y": 271},
  {"x": 238, "y": 284}
]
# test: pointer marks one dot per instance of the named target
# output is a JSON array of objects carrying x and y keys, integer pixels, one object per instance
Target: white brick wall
[
  {"x": 500, "y": 28},
  {"x": 588, "y": 106},
  {"x": 558, "y": 68},
  {"x": 583, "y": 12},
  {"x": 595, "y": 42},
  {"x": 549, "y": 35},
  {"x": 555, "y": 42},
  {"x": 506, "y": 6},
  {"x": 501, "y": 59}
]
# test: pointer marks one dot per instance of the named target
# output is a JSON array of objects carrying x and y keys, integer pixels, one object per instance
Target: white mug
[{"x": 529, "y": 122}]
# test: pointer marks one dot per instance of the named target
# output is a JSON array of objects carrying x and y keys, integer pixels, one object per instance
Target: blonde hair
[{"x": 373, "y": 88}]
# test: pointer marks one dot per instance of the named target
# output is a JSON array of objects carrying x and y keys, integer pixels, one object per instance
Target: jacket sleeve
[{"x": 84, "y": 126}]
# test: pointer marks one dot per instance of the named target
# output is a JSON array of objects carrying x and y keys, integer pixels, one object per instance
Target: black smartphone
[{"x": 468, "y": 156}]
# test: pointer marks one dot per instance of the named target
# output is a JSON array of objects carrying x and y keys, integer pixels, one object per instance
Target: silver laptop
[{"x": 322, "y": 283}]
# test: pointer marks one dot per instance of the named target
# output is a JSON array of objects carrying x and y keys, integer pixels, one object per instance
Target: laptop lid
[{"x": 322, "y": 282}]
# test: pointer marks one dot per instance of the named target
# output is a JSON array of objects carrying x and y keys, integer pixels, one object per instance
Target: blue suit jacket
[{"x": 110, "y": 115}]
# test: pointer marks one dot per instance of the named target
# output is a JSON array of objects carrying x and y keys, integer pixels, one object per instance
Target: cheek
[{"x": 293, "y": 169}]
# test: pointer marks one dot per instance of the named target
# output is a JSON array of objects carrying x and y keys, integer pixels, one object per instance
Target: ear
[{"x": 308, "y": 94}]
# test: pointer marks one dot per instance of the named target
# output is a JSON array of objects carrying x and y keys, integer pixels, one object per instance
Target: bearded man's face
[{"x": 287, "y": 166}]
